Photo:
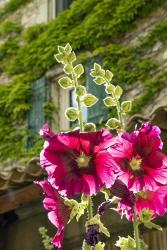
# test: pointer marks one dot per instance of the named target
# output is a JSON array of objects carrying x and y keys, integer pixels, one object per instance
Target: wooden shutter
[
  {"x": 97, "y": 113},
  {"x": 36, "y": 115}
]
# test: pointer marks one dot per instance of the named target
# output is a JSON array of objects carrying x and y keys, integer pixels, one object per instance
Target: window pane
[{"x": 98, "y": 112}]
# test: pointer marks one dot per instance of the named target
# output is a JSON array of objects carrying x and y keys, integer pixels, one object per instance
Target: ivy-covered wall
[{"x": 99, "y": 27}]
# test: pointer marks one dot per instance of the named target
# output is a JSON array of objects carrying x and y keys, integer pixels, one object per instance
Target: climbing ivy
[{"x": 95, "y": 28}]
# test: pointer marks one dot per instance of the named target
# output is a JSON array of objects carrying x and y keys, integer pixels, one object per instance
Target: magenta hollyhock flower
[
  {"x": 142, "y": 165},
  {"x": 78, "y": 162},
  {"x": 153, "y": 201},
  {"x": 58, "y": 214}
]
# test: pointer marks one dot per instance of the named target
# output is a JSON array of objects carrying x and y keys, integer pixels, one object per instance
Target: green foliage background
[{"x": 97, "y": 26}]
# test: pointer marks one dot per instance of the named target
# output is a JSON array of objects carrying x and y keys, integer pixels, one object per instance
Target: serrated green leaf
[
  {"x": 78, "y": 70},
  {"x": 126, "y": 243},
  {"x": 113, "y": 123},
  {"x": 103, "y": 229},
  {"x": 85, "y": 246},
  {"x": 89, "y": 100},
  {"x": 72, "y": 57},
  {"x": 99, "y": 80},
  {"x": 72, "y": 114},
  {"x": 90, "y": 127},
  {"x": 65, "y": 82},
  {"x": 110, "y": 89},
  {"x": 118, "y": 92},
  {"x": 126, "y": 106},
  {"x": 99, "y": 246},
  {"x": 68, "y": 49},
  {"x": 68, "y": 69},
  {"x": 60, "y": 49},
  {"x": 59, "y": 58},
  {"x": 80, "y": 90},
  {"x": 151, "y": 225},
  {"x": 109, "y": 102},
  {"x": 108, "y": 75}
]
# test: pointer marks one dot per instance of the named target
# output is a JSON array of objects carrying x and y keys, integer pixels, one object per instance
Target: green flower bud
[
  {"x": 113, "y": 123},
  {"x": 99, "y": 80},
  {"x": 80, "y": 90},
  {"x": 126, "y": 106},
  {"x": 110, "y": 89},
  {"x": 109, "y": 102},
  {"x": 78, "y": 70},
  {"x": 108, "y": 75},
  {"x": 68, "y": 69},
  {"x": 71, "y": 114},
  {"x": 90, "y": 127},
  {"x": 67, "y": 49},
  {"x": 118, "y": 92},
  {"x": 89, "y": 100},
  {"x": 65, "y": 82}
]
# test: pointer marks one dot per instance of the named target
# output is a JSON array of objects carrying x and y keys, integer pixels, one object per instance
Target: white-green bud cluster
[
  {"x": 67, "y": 57},
  {"x": 102, "y": 76}
]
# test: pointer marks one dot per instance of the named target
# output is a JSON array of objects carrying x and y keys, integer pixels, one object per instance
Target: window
[
  {"x": 98, "y": 112},
  {"x": 61, "y": 5},
  {"x": 36, "y": 115}
]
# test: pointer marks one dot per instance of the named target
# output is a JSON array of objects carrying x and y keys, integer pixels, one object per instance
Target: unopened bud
[
  {"x": 110, "y": 89},
  {"x": 126, "y": 106},
  {"x": 108, "y": 75},
  {"x": 118, "y": 91},
  {"x": 65, "y": 82},
  {"x": 80, "y": 90},
  {"x": 109, "y": 102},
  {"x": 90, "y": 127}
]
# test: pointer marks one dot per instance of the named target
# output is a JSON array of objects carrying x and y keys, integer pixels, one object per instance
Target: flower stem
[
  {"x": 90, "y": 213},
  {"x": 119, "y": 112},
  {"x": 136, "y": 230},
  {"x": 80, "y": 118}
]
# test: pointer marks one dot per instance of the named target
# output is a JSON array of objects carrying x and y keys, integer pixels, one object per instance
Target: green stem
[
  {"x": 90, "y": 212},
  {"x": 78, "y": 104},
  {"x": 119, "y": 112},
  {"x": 136, "y": 230}
]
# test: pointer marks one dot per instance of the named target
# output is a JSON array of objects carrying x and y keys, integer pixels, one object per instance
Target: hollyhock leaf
[
  {"x": 113, "y": 123},
  {"x": 109, "y": 102},
  {"x": 90, "y": 127},
  {"x": 103, "y": 229},
  {"x": 85, "y": 246},
  {"x": 80, "y": 90},
  {"x": 78, "y": 70},
  {"x": 65, "y": 82},
  {"x": 89, "y": 100},
  {"x": 68, "y": 69},
  {"x": 126, "y": 106},
  {"x": 118, "y": 91},
  {"x": 108, "y": 75},
  {"x": 99, "y": 246},
  {"x": 99, "y": 80},
  {"x": 61, "y": 49},
  {"x": 151, "y": 225},
  {"x": 59, "y": 58},
  {"x": 71, "y": 114},
  {"x": 68, "y": 49},
  {"x": 126, "y": 243},
  {"x": 72, "y": 57},
  {"x": 110, "y": 89}
]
